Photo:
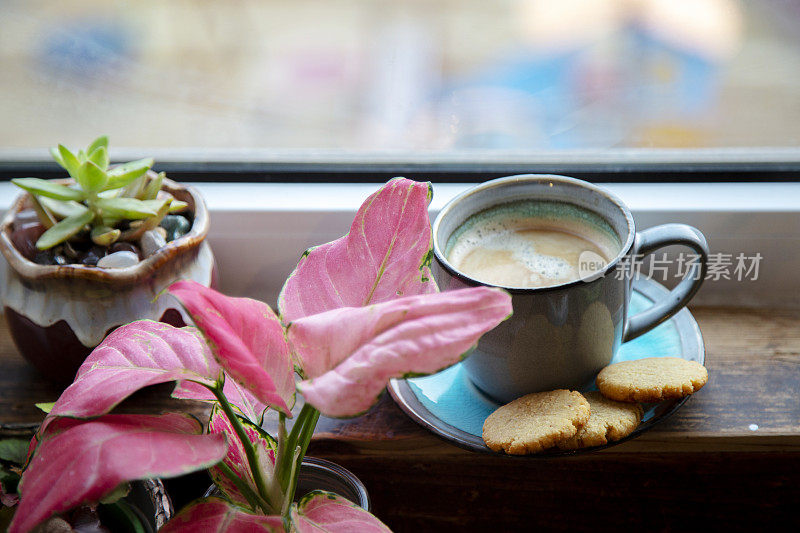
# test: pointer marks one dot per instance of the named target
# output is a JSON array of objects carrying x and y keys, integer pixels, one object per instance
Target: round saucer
[{"x": 449, "y": 405}]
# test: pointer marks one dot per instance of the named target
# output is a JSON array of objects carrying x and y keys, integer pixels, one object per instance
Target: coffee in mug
[
  {"x": 531, "y": 234},
  {"x": 529, "y": 244}
]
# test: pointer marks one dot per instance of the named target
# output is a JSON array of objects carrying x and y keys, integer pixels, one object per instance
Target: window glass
[{"x": 413, "y": 75}]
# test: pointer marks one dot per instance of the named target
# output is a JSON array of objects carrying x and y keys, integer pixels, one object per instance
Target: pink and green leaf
[
  {"x": 386, "y": 255},
  {"x": 321, "y": 511},
  {"x": 350, "y": 354},
  {"x": 247, "y": 339},
  {"x": 236, "y": 457},
  {"x": 214, "y": 515},
  {"x": 89, "y": 459},
  {"x": 132, "y": 357}
]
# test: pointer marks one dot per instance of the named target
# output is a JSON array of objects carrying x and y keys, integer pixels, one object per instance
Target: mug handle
[{"x": 647, "y": 242}]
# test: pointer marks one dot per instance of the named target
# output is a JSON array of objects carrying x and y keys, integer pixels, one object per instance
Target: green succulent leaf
[
  {"x": 134, "y": 188},
  {"x": 45, "y": 216},
  {"x": 49, "y": 189},
  {"x": 152, "y": 188},
  {"x": 131, "y": 165},
  {"x": 64, "y": 230},
  {"x": 104, "y": 236},
  {"x": 177, "y": 206},
  {"x": 110, "y": 221},
  {"x": 100, "y": 158},
  {"x": 161, "y": 212},
  {"x": 57, "y": 156},
  {"x": 122, "y": 175},
  {"x": 101, "y": 141},
  {"x": 60, "y": 208},
  {"x": 91, "y": 177},
  {"x": 135, "y": 232},
  {"x": 129, "y": 208},
  {"x": 110, "y": 193},
  {"x": 70, "y": 161}
]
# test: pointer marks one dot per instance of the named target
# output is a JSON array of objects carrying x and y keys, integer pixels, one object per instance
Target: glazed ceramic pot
[{"x": 58, "y": 313}]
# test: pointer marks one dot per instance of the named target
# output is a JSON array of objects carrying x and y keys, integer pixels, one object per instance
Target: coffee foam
[
  {"x": 501, "y": 235},
  {"x": 524, "y": 233}
]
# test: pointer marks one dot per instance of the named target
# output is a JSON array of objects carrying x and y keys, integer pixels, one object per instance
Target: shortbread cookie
[
  {"x": 535, "y": 422},
  {"x": 651, "y": 380},
  {"x": 610, "y": 420}
]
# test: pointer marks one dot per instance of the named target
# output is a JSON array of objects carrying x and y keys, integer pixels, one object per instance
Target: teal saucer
[{"x": 449, "y": 405}]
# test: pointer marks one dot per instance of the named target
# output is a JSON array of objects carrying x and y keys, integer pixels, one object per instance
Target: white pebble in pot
[
  {"x": 151, "y": 242},
  {"x": 118, "y": 260}
]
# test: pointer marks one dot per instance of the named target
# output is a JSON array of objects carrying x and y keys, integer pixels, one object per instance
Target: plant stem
[
  {"x": 275, "y": 486},
  {"x": 249, "y": 449},
  {"x": 254, "y": 499},
  {"x": 297, "y": 457},
  {"x": 291, "y": 450},
  {"x": 279, "y": 458},
  {"x": 308, "y": 431},
  {"x": 302, "y": 442},
  {"x": 284, "y": 466}
]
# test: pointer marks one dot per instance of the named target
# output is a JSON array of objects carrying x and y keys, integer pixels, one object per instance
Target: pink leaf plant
[
  {"x": 355, "y": 313},
  {"x": 386, "y": 255},
  {"x": 324, "y": 511},
  {"x": 215, "y": 515},
  {"x": 85, "y": 461}
]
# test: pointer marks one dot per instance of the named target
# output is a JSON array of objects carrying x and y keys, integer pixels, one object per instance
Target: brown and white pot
[{"x": 58, "y": 313}]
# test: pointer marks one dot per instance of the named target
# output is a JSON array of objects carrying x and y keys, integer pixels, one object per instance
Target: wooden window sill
[
  {"x": 707, "y": 460},
  {"x": 751, "y": 403}
]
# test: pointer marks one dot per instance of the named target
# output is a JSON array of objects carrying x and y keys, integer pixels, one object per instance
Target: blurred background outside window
[{"x": 401, "y": 75}]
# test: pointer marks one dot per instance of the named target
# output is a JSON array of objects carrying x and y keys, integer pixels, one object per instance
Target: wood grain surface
[
  {"x": 731, "y": 454},
  {"x": 751, "y": 402}
]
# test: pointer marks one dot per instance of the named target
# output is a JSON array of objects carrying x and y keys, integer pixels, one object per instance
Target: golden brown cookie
[
  {"x": 610, "y": 420},
  {"x": 535, "y": 422},
  {"x": 652, "y": 379}
]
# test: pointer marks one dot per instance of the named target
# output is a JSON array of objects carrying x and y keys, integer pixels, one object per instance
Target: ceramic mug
[{"x": 561, "y": 336}]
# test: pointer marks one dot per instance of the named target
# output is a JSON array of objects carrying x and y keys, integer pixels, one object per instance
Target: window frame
[{"x": 641, "y": 165}]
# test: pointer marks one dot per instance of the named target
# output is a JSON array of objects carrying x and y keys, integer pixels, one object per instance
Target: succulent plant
[{"x": 101, "y": 198}]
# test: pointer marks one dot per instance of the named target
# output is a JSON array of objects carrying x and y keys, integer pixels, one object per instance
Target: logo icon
[{"x": 590, "y": 266}]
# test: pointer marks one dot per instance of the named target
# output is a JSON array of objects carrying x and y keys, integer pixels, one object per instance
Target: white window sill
[{"x": 259, "y": 231}]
